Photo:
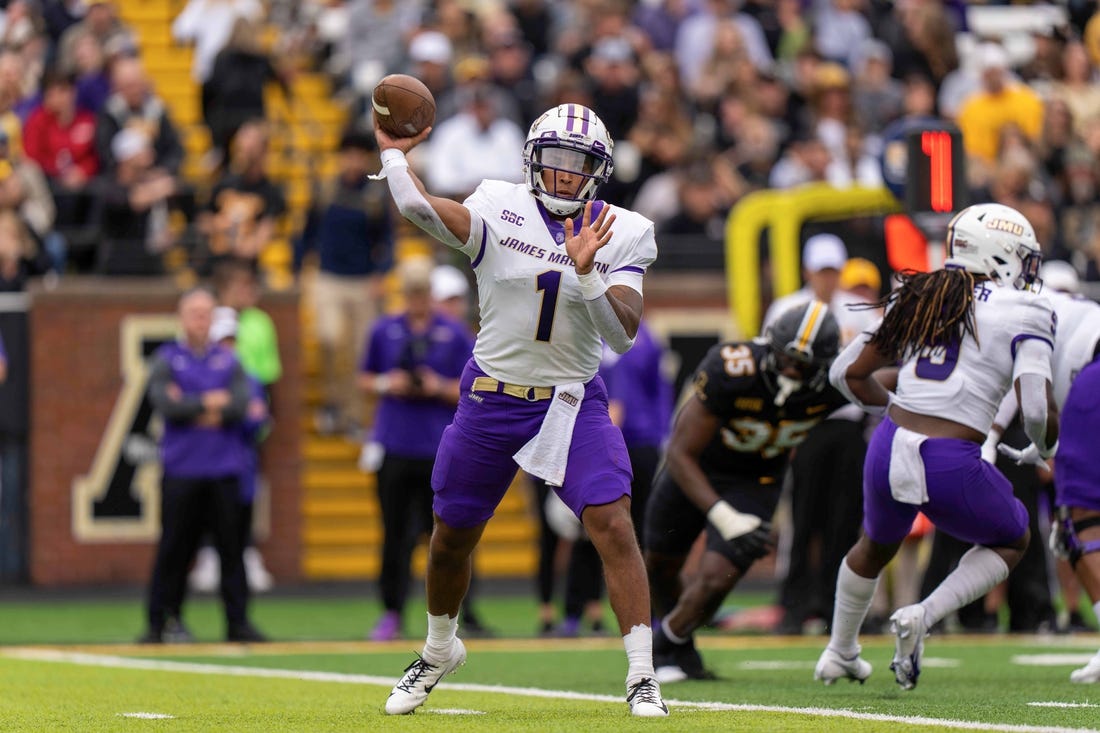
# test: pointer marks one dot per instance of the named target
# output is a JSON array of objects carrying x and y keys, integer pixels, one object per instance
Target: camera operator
[{"x": 413, "y": 362}]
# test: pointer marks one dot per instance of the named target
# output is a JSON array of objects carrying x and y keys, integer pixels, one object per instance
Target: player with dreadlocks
[{"x": 961, "y": 337}]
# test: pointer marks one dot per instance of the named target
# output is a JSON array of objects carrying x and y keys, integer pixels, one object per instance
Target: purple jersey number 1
[{"x": 548, "y": 282}]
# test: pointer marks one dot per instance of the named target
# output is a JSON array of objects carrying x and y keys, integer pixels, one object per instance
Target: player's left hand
[
  {"x": 582, "y": 243},
  {"x": 1027, "y": 455}
]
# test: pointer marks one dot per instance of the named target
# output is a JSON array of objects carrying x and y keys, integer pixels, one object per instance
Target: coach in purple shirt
[
  {"x": 202, "y": 393},
  {"x": 413, "y": 362}
]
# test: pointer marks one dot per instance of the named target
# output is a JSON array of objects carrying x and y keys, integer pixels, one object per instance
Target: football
[{"x": 403, "y": 105}]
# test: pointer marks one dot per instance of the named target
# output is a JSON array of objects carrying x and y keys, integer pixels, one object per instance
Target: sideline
[{"x": 102, "y": 660}]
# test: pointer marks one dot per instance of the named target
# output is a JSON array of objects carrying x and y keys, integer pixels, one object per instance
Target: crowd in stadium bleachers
[{"x": 708, "y": 100}]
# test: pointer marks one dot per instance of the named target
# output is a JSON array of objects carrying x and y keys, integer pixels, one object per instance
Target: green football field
[{"x": 328, "y": 680}]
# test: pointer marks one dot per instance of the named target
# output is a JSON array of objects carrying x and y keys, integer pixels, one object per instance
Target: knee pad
[{"x": 1065, "y": 536}]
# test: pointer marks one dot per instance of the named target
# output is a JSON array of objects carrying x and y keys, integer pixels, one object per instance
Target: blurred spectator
[
  {"x": 413, "y": 362},
  {"x": 793, "y": 33},
  {"x": 245, "y": 204},
  {"x": 20, "y": 23},
  {"x": 257, "y": 344},
  {"x": 254, "y": 429},
  {"x": 998, "y": 103},
  {"x": 24, "y": 189},
  {"x": 536, "y": 21},
  {"x": 60, "y": 15},
  {"x": 922, "y": 36},
  {"x": 700, "y": 213},
  {"x": 60, "y": 137},
  {"x": 202, "y": 393},
  {"x": 209, "y": 25},
  {"x": 131, "y": 209},
  {"x": 3, "y": 362},
  {"x": 351, "y": 226},
  {"x": 1077, "y": 85},
  {"x": 876, "y": 96},
  {"x": 133, "y": 104},
  {"x": 20, "y": 258},
  {"x": 728, "y": 67},
  {"x": 840, "y": 30},
  {"x": 806, "y": 160},
  {"x": 695, "y": 40},
  {"x": 1046, "y": 62},
  {"x": 234, "y": 93},
  {"x": 17, "y": 96},
  {"x": 456, "y": 20},
  {"x": 475, "y": 144},
  {"x": 831, "y": 109},
  {"x": 101, "y": 22},
  {"x": 510, "y": 70},
  {"x": 375, "y": 39},
  {"x": 451, "y": 293},
  {"x": 827, "y": 469},
  {"x": 614, "y": 72},
  {"x": 823, "y": 257},
  {"x": 660, "y": 21},
  {"x": 93, "y": 84},
  {"x": 431, "y": 59}
]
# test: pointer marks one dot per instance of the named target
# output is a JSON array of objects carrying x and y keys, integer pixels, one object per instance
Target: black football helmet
[{"x": 807, "y": 337}]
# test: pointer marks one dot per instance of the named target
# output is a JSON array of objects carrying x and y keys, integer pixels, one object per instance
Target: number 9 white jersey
[
  {"x": 535, "y": 328},
  {"x": 965, "y": 384}
]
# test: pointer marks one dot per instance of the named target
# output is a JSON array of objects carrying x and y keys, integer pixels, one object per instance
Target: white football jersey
[
  {"x": 1075, "y": 342},
  {"x": 966, "y": 384},
  {"x": 535, "y": 328}
]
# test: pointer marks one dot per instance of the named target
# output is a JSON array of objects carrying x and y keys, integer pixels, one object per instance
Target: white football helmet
[
  {"x": 569, "y": 138},
  {"x": 998, "y": 241}
]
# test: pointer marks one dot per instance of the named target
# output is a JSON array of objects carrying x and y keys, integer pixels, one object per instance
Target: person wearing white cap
[
  {"x": 826, "y": 471},
  {"x": 132, "y": 238},
  {"x": 206, "y": 573},
  {"x": 823, "y": 257},
  {"x": 1000, "y": 102},
  {"x": 450, "y": 292}
]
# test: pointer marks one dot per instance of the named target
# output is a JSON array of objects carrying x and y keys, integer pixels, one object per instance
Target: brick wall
[{"x": 76, "y": 382}]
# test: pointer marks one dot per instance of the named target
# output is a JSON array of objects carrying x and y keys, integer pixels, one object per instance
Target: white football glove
[{"x": 1027, "y": 455}]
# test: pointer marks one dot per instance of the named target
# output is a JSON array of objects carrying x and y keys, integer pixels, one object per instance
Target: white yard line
[{"x": 103, "y": 660}]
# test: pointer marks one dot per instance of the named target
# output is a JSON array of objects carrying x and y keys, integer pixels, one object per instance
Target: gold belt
[{"x": 531, "y": 394}]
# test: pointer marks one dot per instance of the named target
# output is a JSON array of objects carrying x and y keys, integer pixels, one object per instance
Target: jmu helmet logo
[{"x": 1004, "y": 225}]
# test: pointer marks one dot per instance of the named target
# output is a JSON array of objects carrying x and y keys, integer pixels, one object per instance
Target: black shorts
[{"x": 672, "y": 521}]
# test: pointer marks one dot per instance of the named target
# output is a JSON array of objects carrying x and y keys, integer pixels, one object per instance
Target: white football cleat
[
  {"x": 420, "y": 678},
  {"x": 1089, "y": 673},
  {"x": 909, "y": 631},
  {"x": 645, "y": 700},
  {"x": 668, "y": 674},
  {"x": 833, "y": 666}
]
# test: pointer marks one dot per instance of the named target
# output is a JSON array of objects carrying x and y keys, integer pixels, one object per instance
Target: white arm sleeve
[
  {"x": 1033, "y": 411},
  {"x": 608, "y": 324},
  {"x": 839, "y": 370},
  {"x": 410, "y": 202}
]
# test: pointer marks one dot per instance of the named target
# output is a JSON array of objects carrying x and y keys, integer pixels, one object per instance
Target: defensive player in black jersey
[{"x": 752, "y": 402}]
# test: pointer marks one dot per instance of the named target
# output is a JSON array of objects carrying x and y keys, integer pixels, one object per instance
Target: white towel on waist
[
  {"x": 908, "y": 483},
  {"x": 546, "y": 454}
]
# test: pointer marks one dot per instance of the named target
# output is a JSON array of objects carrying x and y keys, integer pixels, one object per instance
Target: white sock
[
  {"x": 853, "y": 598},
  {"x": 639, "y": 653},
  {"x": 677, "y": 640},
  {"x": 1096, "y": 609},
  {"x": 442, "y": 630},
  {"x": 978, "y": 571}
]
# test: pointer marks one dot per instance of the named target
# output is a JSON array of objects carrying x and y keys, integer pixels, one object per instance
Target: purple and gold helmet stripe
[{"x": 569, "y": 114}]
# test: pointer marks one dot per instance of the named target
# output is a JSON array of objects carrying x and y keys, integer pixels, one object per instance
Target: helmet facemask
[{"x": 568, "y": 139}]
